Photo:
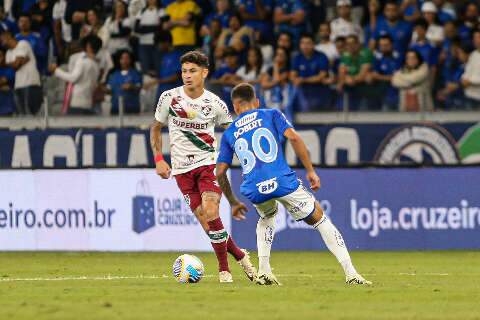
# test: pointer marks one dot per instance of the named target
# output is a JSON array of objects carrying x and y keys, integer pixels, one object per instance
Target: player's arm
[
  {"x": 238, "y": 208},
  {"x": 161, "y": 166},
  {"x": 302, "y": 153}
]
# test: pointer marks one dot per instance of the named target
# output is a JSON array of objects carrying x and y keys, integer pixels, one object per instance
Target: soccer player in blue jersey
[{"x": 256, "y": 137}]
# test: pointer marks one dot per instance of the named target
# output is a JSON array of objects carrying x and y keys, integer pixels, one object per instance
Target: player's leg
[
  {"x": 265, "y": 234},
  {"x": 302, "y": 206}
]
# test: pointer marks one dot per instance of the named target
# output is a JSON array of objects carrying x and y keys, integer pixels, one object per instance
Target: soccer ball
[{"x": 188, "y": 269}]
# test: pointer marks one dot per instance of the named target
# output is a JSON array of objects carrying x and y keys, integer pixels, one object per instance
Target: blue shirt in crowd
[
  {"x": 169, "y": 65},
  {"x": 7, "y": 102},
  {"x": 265, "y": 27},
  {"x": 428, "y": 52},
  {"x": 388, "y": 65},
  {"x": 223, "y": 18},
  {"x": 39, "y": 48},
  {"x": 289, "y": 7},
  {"x": 401, "y": 33},
  {"x": 131, "y": 98}
]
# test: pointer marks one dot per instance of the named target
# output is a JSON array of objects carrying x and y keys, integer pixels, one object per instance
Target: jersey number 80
[{"x": 247, "y": 158}]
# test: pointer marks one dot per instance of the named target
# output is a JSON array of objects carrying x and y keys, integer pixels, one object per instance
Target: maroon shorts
[{"x": 193, "y": 183}]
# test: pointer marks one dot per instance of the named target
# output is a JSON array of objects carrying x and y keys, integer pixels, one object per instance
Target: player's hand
[
  {"x": 314, "y": 180},
  {"x": 163, "y": 169},
  {"x": 238, "y": 211}
]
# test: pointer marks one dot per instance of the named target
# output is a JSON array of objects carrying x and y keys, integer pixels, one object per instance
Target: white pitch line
[
  {"x": 423, "y": 274},
  {"x": 110, "y": 278}
]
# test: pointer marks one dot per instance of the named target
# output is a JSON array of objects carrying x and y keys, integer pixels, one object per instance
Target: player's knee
[
  {"x": 316, "y": 216},
  {"x": 210, "y": 203}
]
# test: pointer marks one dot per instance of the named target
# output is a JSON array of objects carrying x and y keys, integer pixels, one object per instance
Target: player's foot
[
  {"x": 247, "y": 266},
  {"x": 357, "y": 279},
  {"x": 225, "y": 277},
  {"x": 267, "y": 279}
]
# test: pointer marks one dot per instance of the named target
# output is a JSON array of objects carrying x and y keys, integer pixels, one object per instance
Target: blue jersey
[{"x": 256, "y": 137}]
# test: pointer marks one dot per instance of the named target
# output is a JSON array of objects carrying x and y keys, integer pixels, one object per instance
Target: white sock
[
  {"x": 334, "y": 241},
  {"x": 265, "y": 233}
]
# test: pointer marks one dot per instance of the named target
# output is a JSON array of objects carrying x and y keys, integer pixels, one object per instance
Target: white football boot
[
  {"x": 267, "y": 279},
  {"x": 225, "y": 277},
  {"x": 357, "y": 279},
  {"x": 247, "y": 266}
]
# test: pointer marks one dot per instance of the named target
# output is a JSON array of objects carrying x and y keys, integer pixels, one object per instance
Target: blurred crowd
[{"x": 302, "y": 55}]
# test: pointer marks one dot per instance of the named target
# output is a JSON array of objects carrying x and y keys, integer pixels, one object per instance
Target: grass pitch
[{"x": 407, "y": 285}]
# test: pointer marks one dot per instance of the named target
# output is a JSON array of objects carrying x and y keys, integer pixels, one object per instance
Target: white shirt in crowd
[
  {"x": 343, "y": 28},
  {"x": 435, "y": 35},
  {"x": 472, "y": 74},
  {"x": 27, "y": 75},
  {"x": 250, "y": 75},
  {"x": 328, "y": 49},
  {"x": 115, "y": 44},
  {"x": 149, "y": 17},
  {"x": 84, "y": 77},
  {"x": 59, "y": 14}
]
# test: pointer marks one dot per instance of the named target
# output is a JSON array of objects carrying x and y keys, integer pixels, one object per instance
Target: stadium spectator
[
  {"x": 413, "y": 83},
  {"x": 289, "y": 16},
  {"x": 222, "y": 14},
  {"x": 285, "y": 40},
  {"x": 355, "y": 64},
  {"x": 423, "y": 46},
  {"x": 76, "y": 13},
  {"x": 147, "y": 23},
  {"x": 257, "y": 14},
  {"x": 446, "y": 11},
  {"x": 84, "y": 76},
  {"x": 20, "y": 57},
  {"x": 343, "y": 26},
  {"x": 94, "y": 26},
  {"x": 387, "y": 62},
  {"x": 325, "y": 44},
  {"x": 224, "y": 78},
  {"x": 125, "y": 83},
  {"x": 435, "y": 34},
  {"x": 7, "y": 82},
  {"x": 451, "y": 95},
  {"x": 471, "y": 77},
  {"x": 309, "y": 71},
  {"x": 210, "y": 41},
  {"x": 393, "y": 25},
  {"x": 252, "y": 69},
  {"x": 471, "y": 19},
  {"x": 275, "y": 85},
  {"x": 61, "y": 29},
  {"x": 21, "y": 7},
  {"x": 41, "y": 14},
  {"x": 6, "y": 23},
  {"x": 118, "y": 28},
  {"x": 317, "y": 13},
  {"x": 39, "y": 46},
  {"x": 168, "y": 73},
  {"x": 410, "y": 9},
  {"x": 236, "y": 36},
  {"x": 266, "y": 47},
  {"x": 370, "y": 22},
  {"x": 182, "y": 15}
]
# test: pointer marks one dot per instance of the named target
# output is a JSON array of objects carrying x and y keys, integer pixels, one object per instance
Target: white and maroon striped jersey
[{"x": 191, "y": 124}]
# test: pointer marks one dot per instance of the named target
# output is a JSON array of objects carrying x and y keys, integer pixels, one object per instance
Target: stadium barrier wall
[
  {"x": 330, "y": 145},
  {"x": 385, "y": 209},
  {"x": 135, "y": 210},
  {"x": 97, "y": 210}
]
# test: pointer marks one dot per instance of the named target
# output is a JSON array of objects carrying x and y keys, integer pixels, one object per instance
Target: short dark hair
[
  {"x": 307, "y": 35},
  {"x": 94, "y": 42},
  {"x": 421, "y": 23},
  {"x": 243, "y": 91},
  {"x": 386, "y": 36},
  {"x": 197, "y": 57}
]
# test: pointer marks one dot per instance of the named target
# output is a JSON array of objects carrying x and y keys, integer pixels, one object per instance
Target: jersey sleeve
[
  {"x": 223, "y": 117},
  {"x": 280, "y": 122},
  {"x": 161, "y": 113},
  {"x": 226, "y": 152}
]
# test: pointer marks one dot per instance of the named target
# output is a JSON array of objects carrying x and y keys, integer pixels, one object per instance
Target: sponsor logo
[
  {"x": 268, "y": 186},
  {"x": 246, "y": 119},
  {"x": 469, "y": 145},
  {"x": 206, "y": 110},
  {"x": 189, "y": 125},
  {"x": 421, "y": 144}
]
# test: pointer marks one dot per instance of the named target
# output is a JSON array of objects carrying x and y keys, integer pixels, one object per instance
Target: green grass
[{"x": 407, "y": 285}]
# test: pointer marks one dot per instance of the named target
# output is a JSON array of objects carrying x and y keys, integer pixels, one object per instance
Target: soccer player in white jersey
[
  {"x": 191, "y": 112},
  {"x": 256, "y": 137}
]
